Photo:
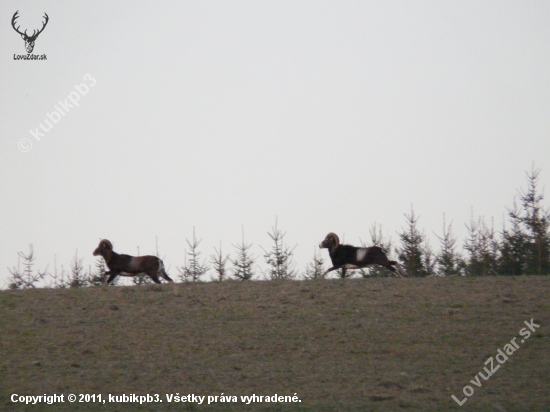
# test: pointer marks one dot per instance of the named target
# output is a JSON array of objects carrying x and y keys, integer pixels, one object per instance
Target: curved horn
[
  {"x": 333, "y": 237},
  {"x": 106, "y": 243}
]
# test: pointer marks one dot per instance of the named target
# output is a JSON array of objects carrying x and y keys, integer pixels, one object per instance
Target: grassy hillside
[{"x": 340, "y": 345}]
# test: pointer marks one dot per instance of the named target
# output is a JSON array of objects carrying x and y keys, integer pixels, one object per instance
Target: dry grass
[{"x": 341, "y": 345}]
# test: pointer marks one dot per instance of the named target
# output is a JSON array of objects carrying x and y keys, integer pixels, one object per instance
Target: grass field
[{"x": 340, "y": 345}]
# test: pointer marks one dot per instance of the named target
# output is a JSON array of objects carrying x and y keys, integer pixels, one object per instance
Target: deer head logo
[{"x": 29, "y": 40}]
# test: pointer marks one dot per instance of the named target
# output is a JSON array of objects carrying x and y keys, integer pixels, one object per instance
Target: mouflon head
[
  {"x": 103, "y": 248},
  {"x": 331, "y": 241}
]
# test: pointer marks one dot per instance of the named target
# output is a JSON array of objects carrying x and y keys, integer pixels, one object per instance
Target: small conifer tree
[
  {"x": 411, "y": 253},
  {"x": 218, "y": 262},
  {"x": 448, "y": 261},
  {"x": 77, "y": 277},
  {"x": 25, "y": 279},
  {"x": 193, "y": 270},
  {"x": 279, "y": 258},
  {"x": 482, "y": 249},
  {"x": 535, "y": 220},
  {"x": 243, "y": 265},
  {"x": 315, "y": 269}
]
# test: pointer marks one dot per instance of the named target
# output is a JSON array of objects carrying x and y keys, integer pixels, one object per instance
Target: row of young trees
[
  {"x": 523, "y": 249},
  {"x": 244, "y": 267}
]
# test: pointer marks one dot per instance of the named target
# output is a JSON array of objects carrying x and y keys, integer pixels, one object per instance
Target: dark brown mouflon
[
  {"x": 126, "y": 265},
  {"x": 351, "y": 257}
]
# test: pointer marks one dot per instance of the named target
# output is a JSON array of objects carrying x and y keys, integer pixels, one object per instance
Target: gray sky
[{"x": 331, "y": 115}]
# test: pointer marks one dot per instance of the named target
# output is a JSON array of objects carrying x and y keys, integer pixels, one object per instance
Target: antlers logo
[{"x": 29, "y": 40}]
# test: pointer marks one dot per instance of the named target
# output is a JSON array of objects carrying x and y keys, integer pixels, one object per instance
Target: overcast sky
[{"x": 331, "y": 115}]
